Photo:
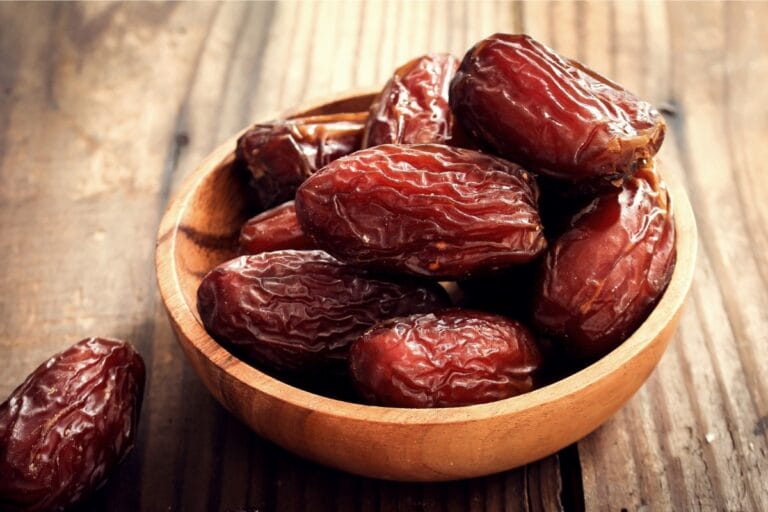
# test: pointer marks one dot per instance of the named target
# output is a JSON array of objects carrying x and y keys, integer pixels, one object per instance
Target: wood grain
[{"x": 104, "y": 108}]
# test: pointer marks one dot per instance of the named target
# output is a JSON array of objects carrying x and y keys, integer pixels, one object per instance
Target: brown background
[{"x": 104, "y": 108}]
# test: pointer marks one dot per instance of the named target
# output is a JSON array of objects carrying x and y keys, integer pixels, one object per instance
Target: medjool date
[
  {"x": 602, "y": 277},
  {"x": 444, "y": 359},
  {"x": 413, "y": 106},
  {"x": 550, "y": 114},
  {"x": 423, "y": 209},
  {"x": 69, "y": 424},
  {"x": 273, "y": 230},
  {"x": 282, "y": 154},
  {"x": 298, "y": 311}
]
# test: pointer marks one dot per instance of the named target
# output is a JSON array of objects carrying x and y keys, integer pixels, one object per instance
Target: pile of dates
[{"x": 520, "y": 181}]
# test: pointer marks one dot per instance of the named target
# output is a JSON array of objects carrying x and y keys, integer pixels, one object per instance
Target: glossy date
[
  {"x": 424, "y": 209},
  {"x": 282, "y": 154},
  {"x": 551, "y": 114},
  {"x": 602, "y": 277},
  {"x": 413, "y": 106},
  {"x": 69, "y": 424},
  {"x": 273, "y": 230},
  {"x": 298, "y": 311},
  {"x": 446, "y": 359}
]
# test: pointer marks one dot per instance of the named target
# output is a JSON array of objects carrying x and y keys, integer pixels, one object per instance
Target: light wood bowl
[{"x": 198, "y": 232}]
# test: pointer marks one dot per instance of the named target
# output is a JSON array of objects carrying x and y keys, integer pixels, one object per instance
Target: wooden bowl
[{"x": 198, "y": 232}]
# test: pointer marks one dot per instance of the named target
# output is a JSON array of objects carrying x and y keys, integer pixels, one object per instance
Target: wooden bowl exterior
[{"x": 199, "y": 230}]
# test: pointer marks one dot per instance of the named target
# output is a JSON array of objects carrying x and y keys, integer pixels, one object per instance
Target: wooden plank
[
  {"x": 84, "y": 180},
  {"x": 690, "y": 438}
]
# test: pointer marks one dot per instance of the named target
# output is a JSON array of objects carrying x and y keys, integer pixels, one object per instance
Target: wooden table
[{"x": 104, "y": 108}]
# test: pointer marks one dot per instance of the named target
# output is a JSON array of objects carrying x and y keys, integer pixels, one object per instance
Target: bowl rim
[{"x": 184, "y": 319}]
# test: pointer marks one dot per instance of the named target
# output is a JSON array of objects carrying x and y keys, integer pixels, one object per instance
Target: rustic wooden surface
[{"x": 104, "y": 108}]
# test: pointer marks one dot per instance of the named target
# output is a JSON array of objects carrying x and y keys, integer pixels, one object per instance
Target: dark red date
[
  {"x": 298, "y": 311},
  {"x": 413, "y": 106},
  {"x": 282, "y": 154},
  {"x": 274, "y": 230},
  {"x": 446, "y": 359},
  {"x": 602, "y": 277},
  {"x": 424, "y": 209},
  {"x": 69, "y": 424},
  {"x": 551, "y": 114}
]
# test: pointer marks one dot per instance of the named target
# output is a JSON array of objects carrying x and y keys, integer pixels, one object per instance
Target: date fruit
[
  {"x": 282, "y": 154},
  {"x": 69, "y": 424},
  {"x": 445, "y": 359},
  {"x": 273, "y": 230},
  {"x": 298, "y": 311},
  {"x": 413, "y": 106},
  {"x": 423, "y": 209},
  {"x": 603, "y": 276},
  {"x": 551, "y": 114}
]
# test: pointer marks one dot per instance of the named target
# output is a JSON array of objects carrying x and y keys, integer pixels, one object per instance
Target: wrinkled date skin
[
  {"x": 446, "y": 359},
  {"x": 69, "y": 424},
  {"x": 551, "y": 114},
  {"x": 413, "y": 106},
  {"x": 298, "y": 311},
  {"x": 273, "y": 230},
  {"x": 603, "y": 276},
  {"x": 282, "y": 154},
  {"x": 425, "y": 209}
]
